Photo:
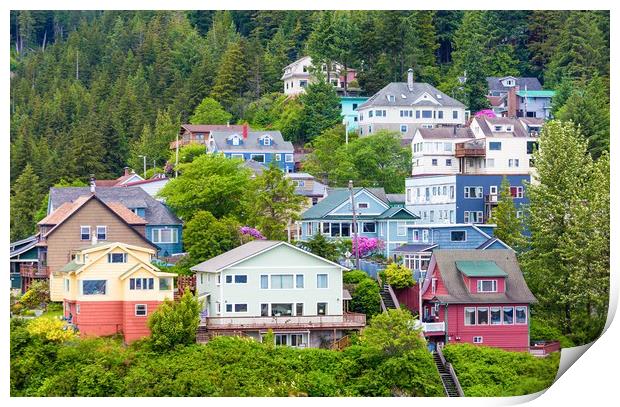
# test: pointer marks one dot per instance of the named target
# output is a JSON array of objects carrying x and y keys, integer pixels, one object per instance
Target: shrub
[
  {"x": 368, "y": 245},
  {"x": 354, "y": 277},
  {"x": 50, "y": 329},
  {"x": 543, "y": 331},
  {"x": 366, "y": 298},
  {"x": 37, "y": 295},
  {"x": 398, "y": 276},
  {"x": 175, "y": 323},
  {"x": 393, "y": 333}
]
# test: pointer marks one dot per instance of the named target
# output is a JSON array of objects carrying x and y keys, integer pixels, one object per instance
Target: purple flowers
[
  {"x": 367, "y": 245},
  {"x": 248, "y": 231}
]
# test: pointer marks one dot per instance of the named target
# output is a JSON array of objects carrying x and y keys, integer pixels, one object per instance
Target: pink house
[{"x": 478, "y": 297}]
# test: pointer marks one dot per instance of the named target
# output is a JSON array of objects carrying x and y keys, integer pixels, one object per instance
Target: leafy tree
[
  {"x": 206, "y": 237},
  {"x": 175, "y": 323},
  {"x": 393, "y": 333},
  {"x": 25, "y": 198},
  {"x": 210, "y": 183},
  {"x": 509, "y": 226},
  {"x": 188, "y": 153},
  {"x": 38, "y": 293},
  {"x": 321, "y": 109},
  {"x": 274, "y": 206},
  {"x": 398, "y": 276},
  {"x": 365, "y": 298},
  {"x": 320, "y": 246},
  {"x": 322, "y": 161},
  {"x": 210, "y": 111},
  {"x": 354, "y": 277}
]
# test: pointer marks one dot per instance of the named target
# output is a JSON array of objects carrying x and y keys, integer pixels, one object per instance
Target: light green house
[{"x": 265, "y": 285}]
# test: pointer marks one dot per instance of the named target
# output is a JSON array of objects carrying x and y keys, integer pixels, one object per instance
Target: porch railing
[
  {"x": 434, "y": 326},
  {"x": 347, "y": 320},
  {"x": 34, "y": 271}
]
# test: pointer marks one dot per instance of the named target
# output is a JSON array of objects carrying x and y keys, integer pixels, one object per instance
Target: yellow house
[{"x": 111, "y": 288}]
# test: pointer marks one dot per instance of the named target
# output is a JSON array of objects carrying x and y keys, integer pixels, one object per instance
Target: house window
[
  {"x": 321, "y": 281},
  {"x": 516, "y": 192},
  {"x": 370, "y": 113},
  {"x": 67, "y": 284},
  {"x": 458, "y": 236},
  {"x": 521, "y": 315},
  {"x": 237, "y": 278},
  {"x": 434, "y": 162},
  {"x": 321, "y": 308},
  {"x": 264, "y": 281},
  {"x": 496, "y": 316},
  {"x": 451, "y": 191},
  {"x": 117, "y": 257},
  {"x": 532, "y": 146},
  {"x": 431, "y": 217},
  {"x": 93, "y": 287},
  {"x": 487, "y": 286},
  {"x": 299, "y": 281},
  {"x": 508, "y": 315},
  {"x": 495, "y": 145},
  {"x": 165, "y": 235},
  {"x": 448, "y": 162},
  {"x": 455, "y": 114},
  {"x": 266, "y": 141},
  {"x": 444, "y": 190},
  {"x": 241, "y": 307},
  {"x": 303, "y": 83},
  {"x": 401, "y": 229},
  {"x": 425, "y": 233},
  {"x": 477, "y": 339},
  {"x": 369, "y": 129},
  {"x": 299, "y": 309},
  {"x": 278, "y": 157},
  {"x": 85, "y": 232},
  {"x": 77, "y": 309},
  {"x": 427, "y": 114},
  {"x": 369, "y": 227},
  {"x": 264, "y": 310},
  {"x": 440, "y": 114},
  {"x": 229, "y": 307},
  {"x": 141, "y": 283},
  {"x": 362, "y": 205},
  {"x": 403, "y": 128},
  {"x": 309, "y": 228},
  {"x": 391, "y": 98},
  {"x": 433, "y": 285},
  {"x": 281, "y": 281},
  {"x": 473, "y": 217},
  {"x": 278, "y": 310},
  {"x": 259, "y": 158},
  {"x": 483, "y": 316},
  {"x": 102, "y": 232},
  {"x": 288, "y": 158},
  {"x": 470, "y": 316},
  {"x": 416, "y": 235},
  {"x": 141, "y": 310},
  {"x": 490, "y": 162},
  {"x": 473, "y": 192}
]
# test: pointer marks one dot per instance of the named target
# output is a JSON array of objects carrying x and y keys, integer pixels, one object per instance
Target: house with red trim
[{"x": 478, "y": 297}]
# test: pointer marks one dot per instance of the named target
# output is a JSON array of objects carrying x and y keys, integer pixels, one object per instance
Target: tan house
[{"x": 81, "y": 222}]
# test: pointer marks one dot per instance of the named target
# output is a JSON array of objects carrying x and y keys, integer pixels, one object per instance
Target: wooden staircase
[
  {"x": 451, "y": 384},
  {"x": 388, "y": 299}
]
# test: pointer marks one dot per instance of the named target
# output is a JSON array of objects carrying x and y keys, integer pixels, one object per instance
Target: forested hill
[{"x": 89, "y": 88}]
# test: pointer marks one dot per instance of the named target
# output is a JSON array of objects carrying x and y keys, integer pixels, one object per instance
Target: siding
[{"x": 170, "y": 248}]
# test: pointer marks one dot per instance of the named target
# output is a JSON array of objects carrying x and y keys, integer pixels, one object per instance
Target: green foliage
[
  {"x": 37, "y": 294},
  {"x": 25, "y": 197},
  {"x": 228, "y": 83},
  {"x": 321, "y": 109},
  {"x": 206, "y": 237},
  {"x": 210, "y": 111},
  {"x": 365, "y": 298},
  {"x": 175, "y": 323},
  {"x": 50, "y": 329},
  {"x": 154, "y": 143},
  {"x": 393, "y": 333},
  {"x": 485, "y": 371},
  {"x": 544, "y": 331},
  {"x": 320, "y": 246},
  {"x": 188, "y": 153},
  {"x": 354, "y": 277},
  {"x": 504, "y": 215},
  {"x": 210, "y": 183},
  {"x": 398, "y": 276}
]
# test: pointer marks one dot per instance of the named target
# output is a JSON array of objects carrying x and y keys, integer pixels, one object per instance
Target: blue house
[
  {"x": 260, "y": 146},
  {"x": 379, "y": 215},
  {"x": 423, "y": 239},
  {"x": 348, "y": 109},
  {"x": 163, "y": 227},
  {"x": 23, "y": 252}
]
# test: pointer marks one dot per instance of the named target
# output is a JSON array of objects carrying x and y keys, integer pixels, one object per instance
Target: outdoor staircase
[
  {"x": 450, "y": 385},
  {"x": 386, "y": 298}
]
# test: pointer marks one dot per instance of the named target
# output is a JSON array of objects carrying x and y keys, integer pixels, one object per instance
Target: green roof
[
  {"x": 397, "y": 210},
  {"x": 71, "y": 266},
  {"x": 537, "y": 93},
  {"x": 480, "y": 268}
]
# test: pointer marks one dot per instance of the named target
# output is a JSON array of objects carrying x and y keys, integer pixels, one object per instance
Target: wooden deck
[{"x": 345, "y": 321}]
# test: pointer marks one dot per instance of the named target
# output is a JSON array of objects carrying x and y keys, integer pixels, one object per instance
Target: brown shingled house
[{"x": 84, "y": 221}]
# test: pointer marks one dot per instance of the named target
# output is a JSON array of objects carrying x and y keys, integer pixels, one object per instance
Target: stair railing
[
  {"x": 393, "y": 295},
  {"x": 450, "y": 371}
]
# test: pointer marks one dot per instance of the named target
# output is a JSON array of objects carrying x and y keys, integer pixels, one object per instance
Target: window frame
[
  {"x": 105, "y": 287},
  {"x": 480, "y": 286},
  {"x": 82, "y": 227},
  {"x": 146, "y": 310},
  {"x": 458, "y": 231},
  {"x": 253, "y": 155},
  {"x": 469, "y": 310},
  {"x": 105, "y": 232},
  {"x": 318, "y": 280}
]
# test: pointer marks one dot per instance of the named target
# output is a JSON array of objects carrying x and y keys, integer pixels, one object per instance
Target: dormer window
[
  {"x": 391, "y": 98},
  {"x": 266, "y": 141},
  {"x": 487, "y": 286},
  {"x": 235, "y": 140},
  {"x": 497, "y": 128}
]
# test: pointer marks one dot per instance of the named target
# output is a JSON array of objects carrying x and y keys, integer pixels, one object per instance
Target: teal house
[
  {"x": 348, "y": 109},
  {"x": 379, "y": 215}
]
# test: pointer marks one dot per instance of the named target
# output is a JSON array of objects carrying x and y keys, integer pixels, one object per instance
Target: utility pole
[
  {"x": 355, "y": 240},
  {"x": 346, "y": 131},
  {"x": 144, "y": 165}
]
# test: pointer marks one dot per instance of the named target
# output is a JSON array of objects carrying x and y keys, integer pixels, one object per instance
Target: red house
[{"x": 478, "y": 297}]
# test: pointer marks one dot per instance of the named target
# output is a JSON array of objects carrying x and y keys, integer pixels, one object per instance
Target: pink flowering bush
[
  {"x": 367, "y": 245},
  {"x": 247, "y": 231}
]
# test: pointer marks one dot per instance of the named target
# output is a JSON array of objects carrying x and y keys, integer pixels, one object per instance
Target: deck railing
[
  {"x": 434, "y": 326},
  {"x": 346, "y": 320},
  {"x": 34, "y": 271}
]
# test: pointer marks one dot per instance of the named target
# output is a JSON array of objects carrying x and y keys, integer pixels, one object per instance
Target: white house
[
  {"x": 270, "y": 285},
  {"x": 405, "y": 107},
  {"x": 298, "y": 75}
]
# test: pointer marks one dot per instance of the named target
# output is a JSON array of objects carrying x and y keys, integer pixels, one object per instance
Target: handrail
[
  {"x": 450, "y": 370},
  {"x": 393, "y": 295}
]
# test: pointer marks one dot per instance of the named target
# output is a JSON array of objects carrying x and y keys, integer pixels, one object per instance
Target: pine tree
[
  {"x": 25, "y": 198},
  {"x": 85, "y": 153},
  {"x": 421, "y": 46},
  {"x": 509, "y": 226},
  {"x": 321, "y": 109},
  {"x": 230, "y": 76}
]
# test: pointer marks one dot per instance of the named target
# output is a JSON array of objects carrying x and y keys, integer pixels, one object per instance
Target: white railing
[
  {"x": 434, "y": 326},
  {"x": 345, "y": 320}
]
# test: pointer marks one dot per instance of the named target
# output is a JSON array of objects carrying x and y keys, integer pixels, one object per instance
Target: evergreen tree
[
  {"x": 544, "y": 30},
  {"x": 210, "y": 111},
  {"x": 86, "y": 151},
  {"x": 321, "y": 109},
  {"x": 321, "y": 44},
  {"x": 25, "y": 198},
  {"x": 509, "y": 226},
  {"x": 230, "y": 76},
  {"x": 421, "y": 46},
  {"x": 275, "y": 206}
]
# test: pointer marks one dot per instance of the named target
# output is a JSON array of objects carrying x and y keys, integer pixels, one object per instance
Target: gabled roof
[
  {"x": 400, "y": 89},
  {"x": 490, "y": 242},
  {"x": 155, "y": 212},
  {"x": 494, "y": 83},
  {"x": 207, "y": 128},
  {"x": 24, "y": 245},
  {"x": 338, "y": 196},
  {"x": 458, "y": 293},
  {"x": 485, "y": 124},
  {"x": 446, "y": 133},
  {"x": 394, "y": 210},
  {"x": 154, "y": 178},
  {"x": 251, "y": 144}
]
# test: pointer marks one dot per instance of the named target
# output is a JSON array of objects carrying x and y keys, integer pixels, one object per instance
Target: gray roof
[
  {"x": 516, "y": 287},
  {"x": 234, "y": 255},
  {"x": 414, "y": 248},
  {"x": 256, "y": 167},
  {"x": 278, "y": 145},
  {"x": 446, "y": 133},
  {"x": 486, "y": 122},
  {"x": 395, "y": 198},
  {"x": 494, "y": 84},
  {"x": 24, "y": 245},
  {"x": 398, "y": 89},
  {"x": 156, "y": 213}
]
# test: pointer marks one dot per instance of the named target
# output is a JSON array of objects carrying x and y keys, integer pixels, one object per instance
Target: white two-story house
[
  {"x": 270, "y": 285},
  {"x": 299, "y": 74},
  {"x": 406, "y": 106}
]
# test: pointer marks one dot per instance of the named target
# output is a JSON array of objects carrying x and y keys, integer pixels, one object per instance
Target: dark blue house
[{"x": 163, "y": 227}]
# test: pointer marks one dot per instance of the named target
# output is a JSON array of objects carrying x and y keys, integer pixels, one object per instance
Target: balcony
[
  {"x": 433, "y": 327},
  {"x": 470, "y": 149},
  {"x": 34, "y": 271},
  {"x": 183, "y": 143},
  {"x": 345, "y": 321},
  {"x": 491, "y": 199}
]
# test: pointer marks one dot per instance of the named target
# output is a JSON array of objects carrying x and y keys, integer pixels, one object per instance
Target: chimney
[
  {"x": 126, "y": 170},
  {"x": 92, "y": 183},
  {"x": 245, "y": 131},
  {"x": 410, "y": 79},
  {"x": 512, "y": 101}
]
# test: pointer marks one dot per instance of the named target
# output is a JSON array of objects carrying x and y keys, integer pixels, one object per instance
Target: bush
[
  {"x": 37, "y": 295},
  {"x": 366, "y": 298},
  {"x": 50, "y": 329},
  {"x": 354, "y": 277},
  {"x": 398, "y": 276},
  {"x": 175, "y": 323},
  {"x": 543, "y": 331}
]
